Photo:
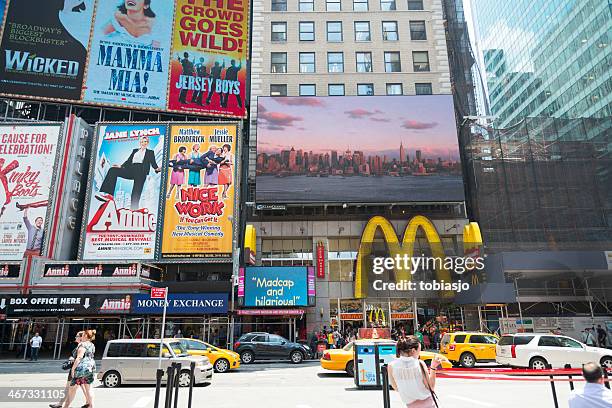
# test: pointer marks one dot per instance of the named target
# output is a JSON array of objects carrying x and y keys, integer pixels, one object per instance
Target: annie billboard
[
  {"x": 357, "y": 149},
  {"x": 124, "y": 195}
]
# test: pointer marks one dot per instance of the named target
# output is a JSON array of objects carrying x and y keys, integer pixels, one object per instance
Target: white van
[{"x": 135, "y": 361}]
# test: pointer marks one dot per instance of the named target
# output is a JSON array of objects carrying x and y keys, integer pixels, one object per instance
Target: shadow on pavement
[{"x": 339, "y": 374}]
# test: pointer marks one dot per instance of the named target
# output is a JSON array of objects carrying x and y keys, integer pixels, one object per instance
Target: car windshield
[
  {"x": 213, "y": 348},
  {"x": 178, "y": 349}
]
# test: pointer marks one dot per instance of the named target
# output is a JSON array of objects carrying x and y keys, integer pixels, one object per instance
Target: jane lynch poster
[
  {"x": 128, "y": 63},
  {"x": 44, "y": 48},
  {"x": 121, "y": 220}
]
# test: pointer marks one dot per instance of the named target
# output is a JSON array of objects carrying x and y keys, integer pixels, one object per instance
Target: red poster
[{"x": 320, "y": 260}]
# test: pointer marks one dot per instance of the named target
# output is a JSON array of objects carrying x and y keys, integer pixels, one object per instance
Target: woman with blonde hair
[
  {"x": 83, "y": 369},
  {"x": 410, "y": 376}
]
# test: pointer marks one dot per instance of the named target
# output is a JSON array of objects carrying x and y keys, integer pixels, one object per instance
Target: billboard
[
  {"x": 124, "y": 193},
  {"x": 27, "y": 159},
  {"x": 44, "y": 48},
  {"x": 209, "y": 58},
  {"x": 182, "y": 303},
  {"x": 277, "y": 286},
  {"x": 200, "y": 190},
  {"x": 130, "y": 48},
  {"x": 357, "y": 149}
]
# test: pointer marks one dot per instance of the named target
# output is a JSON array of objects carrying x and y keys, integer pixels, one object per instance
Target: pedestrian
[
  {"x": 35, "y": 343},
  {"x": 602, "y": 336},
  {"x": 419, "y": 336},
  {"x": 426, "y": 341},
  {"x": 60, "y": 404},
  {"x": 410, "y": 376},
  {"x": 594, "y": 394},
  {"x": 436, "y": 338},
  {"x": 588, "y": 337},
  {"x": 83, "y": 369},
  {"x": 330, "y": 340}
]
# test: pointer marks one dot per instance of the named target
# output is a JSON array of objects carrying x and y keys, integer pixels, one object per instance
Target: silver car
[{"x": 135, "y": 361}]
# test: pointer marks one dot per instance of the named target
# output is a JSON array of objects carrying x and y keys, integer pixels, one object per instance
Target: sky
[{"x": 372, "y": 124}]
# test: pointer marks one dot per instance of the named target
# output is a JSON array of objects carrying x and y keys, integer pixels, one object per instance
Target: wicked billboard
[{"x": 357, "y": 150}]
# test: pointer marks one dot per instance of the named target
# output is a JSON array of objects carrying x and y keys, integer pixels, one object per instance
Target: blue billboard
[
  {"x": 278, "y": 286},
  {"x": 181, "y": 303}
]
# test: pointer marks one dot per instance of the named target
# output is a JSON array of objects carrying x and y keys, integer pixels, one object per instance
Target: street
[{"x": 283, "y": 385}]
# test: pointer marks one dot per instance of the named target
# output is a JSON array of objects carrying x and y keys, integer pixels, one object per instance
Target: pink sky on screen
[{"x": 372, "y": 124}]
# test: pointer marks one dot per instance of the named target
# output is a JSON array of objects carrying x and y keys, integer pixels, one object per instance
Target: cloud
[
  {"x": 276, "y": 120},
  {"x": 415, "y": 124},
  {"x": 361, "y": 113},
  {"x": 386, "y": 120},
  {"x": 301, "y": 101}
]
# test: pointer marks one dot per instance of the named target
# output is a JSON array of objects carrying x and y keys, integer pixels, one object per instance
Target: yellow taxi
[
  {"x": 342, "y": 359},
  {"x": 222, "y": 360},
  {"x": 469, "y": 348}
]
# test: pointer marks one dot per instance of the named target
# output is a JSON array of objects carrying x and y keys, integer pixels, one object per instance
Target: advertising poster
[
  {"x": 276, "y": 286},
  {"x": 130, "y": 48},
  {"x": 27, "y": 160},
  {"x": 124, "y": 196},
  {"x": 357, "y": 150},
  {"x": 200, "y": 188},
  {"x": 209, "y": 58},
  {"x": 44, "y": 48}
]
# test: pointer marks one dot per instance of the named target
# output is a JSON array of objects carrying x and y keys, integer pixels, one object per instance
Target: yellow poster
[{"x": 200, "y": 185}]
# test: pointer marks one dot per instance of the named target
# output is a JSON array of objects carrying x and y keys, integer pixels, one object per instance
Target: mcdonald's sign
[{"x": 471, "y": 239}]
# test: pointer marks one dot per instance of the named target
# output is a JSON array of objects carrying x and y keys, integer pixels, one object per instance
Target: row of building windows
[
  {"x": 363, "y": 62},
  {"x": 362, "y": 89},
  {"x": 390, "y": 32},
  {"x": 336, "y": 5}
]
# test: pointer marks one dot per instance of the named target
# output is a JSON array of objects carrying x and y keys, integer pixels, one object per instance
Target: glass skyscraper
[{"x": 546, "y": 58}]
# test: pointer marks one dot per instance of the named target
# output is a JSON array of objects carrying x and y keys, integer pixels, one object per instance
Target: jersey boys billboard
[
  {"x": 124, "y": 195},
  {"x": 200, "y": 190},
  {"x": 139, "y": 52},
  {"x": 27, "y": 157},
  {"x": 209, "y": 57},
  {"x": 44, "y": 48},
  {"x": 130, "y": 48}
]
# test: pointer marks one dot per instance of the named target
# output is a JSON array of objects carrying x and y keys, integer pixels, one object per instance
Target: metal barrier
[
  {"x": 502, "y": 374},
  {"x": 173, "y": 373}
]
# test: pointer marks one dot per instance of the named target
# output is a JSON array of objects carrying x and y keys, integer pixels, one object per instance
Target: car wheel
[
  {"x": 247, "y": 357},
  {"x": 538, "y": 363},
  {"x": 350, "y": 368},
  {"x": 222, "y": 365},
  {"x": 296, "y": 357},
  {"x": 467, "y": 360},
  {"x": 111, "y": 379},
  {"x": 184, "y": 379},
  {"x": 606, "y": 362}
]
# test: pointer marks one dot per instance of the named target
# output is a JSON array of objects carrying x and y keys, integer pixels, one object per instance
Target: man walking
[
  {"x": 594, "y": 394},
  {"x": 602, "y": 336},
  {"x": 35, "y": 343}
]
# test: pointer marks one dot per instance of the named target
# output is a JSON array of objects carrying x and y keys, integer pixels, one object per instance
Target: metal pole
[
  {"x": 415, "y": 315},
  {"x": 27, "y": 341},
  {"x": 571, "y": 383},
  {"x": 586, "y": 284},
  {"x": 177, "y": 384},
  {"x": 518, "y": 301},
  {"x": 169, "y": 385},
  {"x": 192, "y": 371},
  {"x": 385, "y": 387},
  {"x": 159, "y": 374},
  {"x": 163, "y": 331},
  {"x": 552, "y": 387}
]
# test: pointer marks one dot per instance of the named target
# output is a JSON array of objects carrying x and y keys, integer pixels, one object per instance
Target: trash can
[{"x": 369, "y": 356}]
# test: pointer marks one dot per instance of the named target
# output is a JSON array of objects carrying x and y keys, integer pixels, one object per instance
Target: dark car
[{"x": 266, "y": 346}]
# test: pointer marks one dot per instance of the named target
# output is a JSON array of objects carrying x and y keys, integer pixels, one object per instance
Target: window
[
  {"x": 279, "y": 32},
  {"x": 387, "y": 5},
  {"x": 362, "y": 31},
  {"x": 365, "y": 89},
  {"x": 420, "y": 61},
  {"x": 333, "y": 5},
  {"x": 522, "y": 340},
  {"x": 394, "y": 89},
  {"x": 549, "y": 341},
  {"x": 308, "y": 90},
  {"x": 480, "y": 339},
  {"x": 193, "y": 345},
  {"x": 389, "y": 29},
  {"x": 392, "y": 62},
  {"x": 126, "y": 350},
  {"x": 260, "y": 338},
  {"x": 565, "y": 342},
  {"x": 306, "y": 5},
  {"x": 417, "y": 30},
  {"x": 277, "y": 339},
  {"x": 307, "y": 31},
  {"x": 279, "y": 5},
  {"x": 335, "y": 62},
  {"x": 460, "y": 338},
  {"x": 415, "y": 4},
  {"x": 335, "y": 89},
  {"x": 334, "y": 31},
  {"x": 423, "y": 89},
  {"x": 364, "y": 61},
  {"x": 278, "y": 90},
  {"x": 360, "y": 5},
  {"x": 279, "y": 62},
  {"x": 307, "y": 62}
]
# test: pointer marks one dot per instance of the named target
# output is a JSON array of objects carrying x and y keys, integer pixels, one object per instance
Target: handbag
[
  {"x": 426, "y": 378},
  {"x": 67, "y": 365}
]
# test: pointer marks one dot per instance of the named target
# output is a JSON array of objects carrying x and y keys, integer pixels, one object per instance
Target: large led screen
[{"x": 357, "y": 149}]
